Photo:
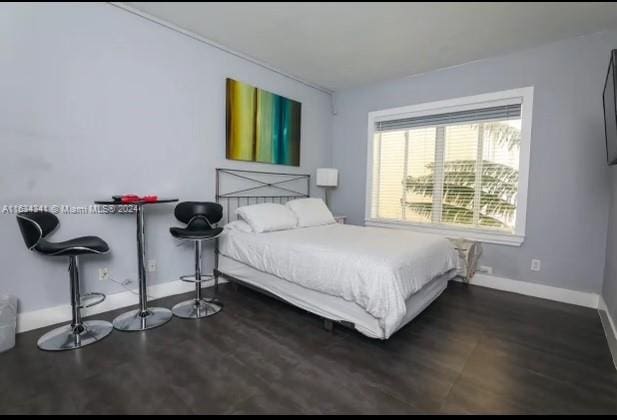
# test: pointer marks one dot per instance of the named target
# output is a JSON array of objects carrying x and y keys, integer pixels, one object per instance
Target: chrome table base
[
  {"x": 137, "y": 321},
  {"x": 67, "y": 338},
  {"x": 145, "y": 317},
  {"x": 195, "y": 309}
]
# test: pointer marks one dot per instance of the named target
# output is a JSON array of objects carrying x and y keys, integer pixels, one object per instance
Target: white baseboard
[
  {"x": 27, "y": 321},
  {"x": 574, "y": 297},
  {"x": 608, "y": 323}
]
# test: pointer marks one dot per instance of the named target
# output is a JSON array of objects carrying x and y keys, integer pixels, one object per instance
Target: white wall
[
  {"x": 95, "y": 101},
  {"x": 568, "y": 200}
]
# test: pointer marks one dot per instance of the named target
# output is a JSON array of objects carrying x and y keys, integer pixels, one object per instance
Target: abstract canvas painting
[{"x": 262, "y": 126}]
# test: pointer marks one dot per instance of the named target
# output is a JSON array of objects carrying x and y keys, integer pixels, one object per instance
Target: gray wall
[
  {"x": 609, "y": 291},
  {"x": 568, "y": 199},
  {"x": 96, "y": 101}
]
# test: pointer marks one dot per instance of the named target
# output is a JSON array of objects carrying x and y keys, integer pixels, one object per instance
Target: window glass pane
[
  {"x": 418, "y": 194},
  {"x": 459, "y": 174},
  {"x": 500, "y": 165},
  {"x": 390, "y": 175}
]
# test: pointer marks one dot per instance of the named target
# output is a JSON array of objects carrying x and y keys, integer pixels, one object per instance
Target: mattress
[
  {"x": 376, "y": 269},
  {"x": 332, "y": 307}
]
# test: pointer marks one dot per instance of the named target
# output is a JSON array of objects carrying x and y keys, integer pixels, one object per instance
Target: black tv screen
[{"x": 610, "y": 111}]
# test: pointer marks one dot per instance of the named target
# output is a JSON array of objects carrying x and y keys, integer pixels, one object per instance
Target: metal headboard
[{"x": 236, "y": 188}]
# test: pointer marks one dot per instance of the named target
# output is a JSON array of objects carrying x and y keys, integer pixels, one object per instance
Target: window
[{"x": 457, "y": 167}]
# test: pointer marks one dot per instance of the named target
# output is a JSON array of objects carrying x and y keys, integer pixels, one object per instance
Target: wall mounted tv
[{"x": 610, "y": 110}]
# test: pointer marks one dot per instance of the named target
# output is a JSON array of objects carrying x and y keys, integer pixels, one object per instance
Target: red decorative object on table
[
  {"x": 129, "y": 198},
  {"x": 132, "y": 198}
]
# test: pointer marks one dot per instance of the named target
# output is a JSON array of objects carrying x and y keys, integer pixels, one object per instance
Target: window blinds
[
  {"x": 494, "y": 113},
  {"x": 454, "y": 168}
]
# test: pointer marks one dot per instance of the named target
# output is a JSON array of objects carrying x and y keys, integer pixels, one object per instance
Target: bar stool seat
[
  {"x": 35, "y": 227},
  {"x": 77, "y": 246},
  {"x": 197, "y": 234},
  {"x": 200, "y": 219}
]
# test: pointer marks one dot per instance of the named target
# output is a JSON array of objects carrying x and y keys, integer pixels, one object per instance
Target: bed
[{"x": 374, "y": 280}]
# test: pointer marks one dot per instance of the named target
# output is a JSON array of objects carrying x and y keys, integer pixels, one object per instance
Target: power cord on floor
[{"x": 125, "y": 284}]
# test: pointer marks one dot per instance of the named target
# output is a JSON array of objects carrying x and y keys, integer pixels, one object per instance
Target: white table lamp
[{"x": 327, "y": 178}]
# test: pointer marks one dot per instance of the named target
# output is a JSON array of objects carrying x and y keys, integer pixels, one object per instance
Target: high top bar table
[{"x": 145, "y": 317}]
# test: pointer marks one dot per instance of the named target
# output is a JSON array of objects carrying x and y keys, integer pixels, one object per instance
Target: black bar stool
[
  {"x": 35, "y": 227},
  {"x": 200, "y": 219}
]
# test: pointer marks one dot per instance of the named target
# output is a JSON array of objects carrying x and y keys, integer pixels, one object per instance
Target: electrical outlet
[
  {"x": 536, "y": 265},
  {"x": 485, "y": 269},
  {"x": 104, "y": 274},
  {"x": 151, "y": 266}
]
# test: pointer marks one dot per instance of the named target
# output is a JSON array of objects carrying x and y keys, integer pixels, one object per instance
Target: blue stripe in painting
[
  {"x": 276, "y": 122},
  {"x": 282, "y": 132}
]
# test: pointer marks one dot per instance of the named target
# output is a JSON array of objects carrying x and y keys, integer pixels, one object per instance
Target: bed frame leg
[{"x": 328, "y": 325}]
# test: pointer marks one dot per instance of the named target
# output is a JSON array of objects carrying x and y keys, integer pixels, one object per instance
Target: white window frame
[{"x": 524, "y": 96}]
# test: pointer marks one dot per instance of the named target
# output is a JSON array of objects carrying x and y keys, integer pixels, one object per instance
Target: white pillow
[
  {"x": 239, "y": 225},
  {"x": 311, "y": 212},
  {"x": 267, "y": 217}
]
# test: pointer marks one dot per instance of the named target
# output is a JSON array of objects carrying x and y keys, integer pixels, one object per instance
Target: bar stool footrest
[
  {"x": 91, "y": 299},
  {"x": 190, "y": 278}
]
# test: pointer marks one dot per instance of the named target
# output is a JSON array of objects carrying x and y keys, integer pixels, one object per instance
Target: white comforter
[{"x": 376, "y": 268}]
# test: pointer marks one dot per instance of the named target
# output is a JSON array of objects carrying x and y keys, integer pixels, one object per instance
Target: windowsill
[{"x": 450, "y": 231}]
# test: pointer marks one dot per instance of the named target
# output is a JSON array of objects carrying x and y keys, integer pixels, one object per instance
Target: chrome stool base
[
  {"x": 136, "y": 321},
  {"x": 195, "y": 309},
  {"x": 65, "y": 338},
  {"x": 198, "y": 307}
]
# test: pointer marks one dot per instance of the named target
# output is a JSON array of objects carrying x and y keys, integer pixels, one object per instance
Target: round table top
[{"x": 120, "y": 203}]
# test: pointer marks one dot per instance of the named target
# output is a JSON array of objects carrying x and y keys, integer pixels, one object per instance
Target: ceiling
[{"x": 341, "y": 45}]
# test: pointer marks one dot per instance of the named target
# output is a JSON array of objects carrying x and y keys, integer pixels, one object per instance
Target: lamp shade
[{"x": 327, "y": 177}]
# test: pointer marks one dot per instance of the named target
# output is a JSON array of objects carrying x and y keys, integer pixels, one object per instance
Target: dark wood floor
[{"x": 474, "y": 350}]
